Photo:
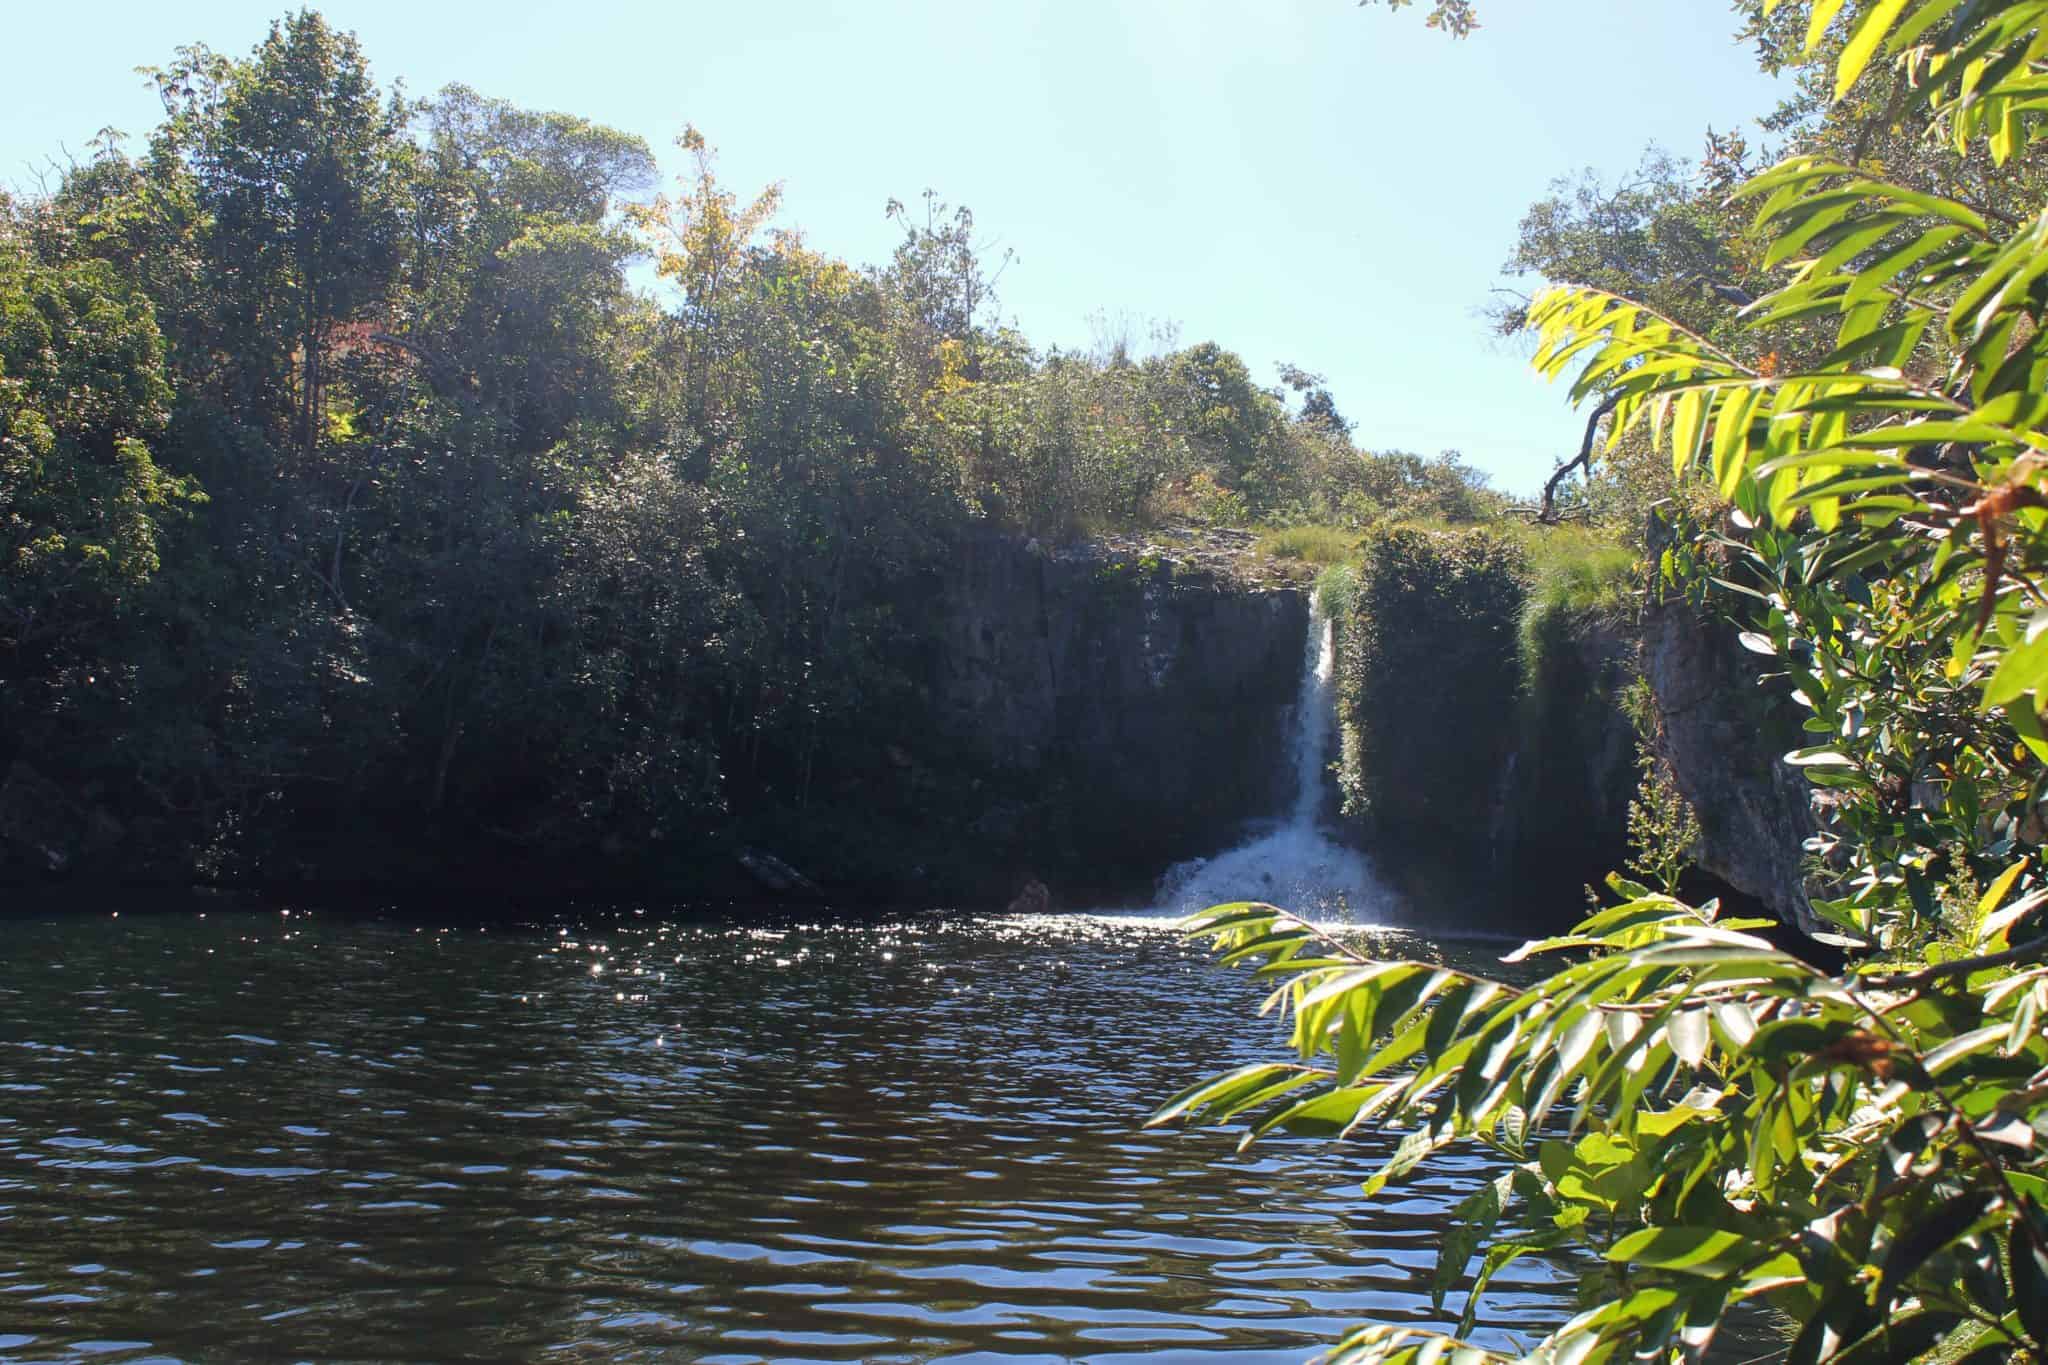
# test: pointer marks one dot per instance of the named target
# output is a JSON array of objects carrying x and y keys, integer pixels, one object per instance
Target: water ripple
[{"x": 630, "y": 1138}]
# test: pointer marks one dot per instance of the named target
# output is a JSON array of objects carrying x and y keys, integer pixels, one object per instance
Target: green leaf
[
  {"x": 1822, "y": 14},
  {"x": 1472, "y": 1221},
  {"x": 2002, "y": 884},
  {"x": 1502, "y": 1254},
  {"x": 1406, "y": 1158},
  {"x": 2029, "y": 1274},
  {"x": 1795, "y": 1040},
  {"x": 1326, "y": 1115},
  {"x": 1220, "y": 1089},
  {"x": 1863, "y": 42},
  {"x": 1688, "y": 419},
  {"x": 1692, "y": 1251},
  {"x": 1903, "y": 1339},
  {"x": 2020, "y": 673},
  {"x": 1731, "y": 440},
  {"x": 1689, "y": 1035},
  {"x": 2026, "y": 723},
  {"x": 1929, "y": 1236},
  {"x": 1992, "y": 930},
  {"x": 1930, "y": 13}
]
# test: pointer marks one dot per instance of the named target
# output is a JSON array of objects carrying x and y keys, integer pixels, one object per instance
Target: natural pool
[{"x": 636, "y": 1136}]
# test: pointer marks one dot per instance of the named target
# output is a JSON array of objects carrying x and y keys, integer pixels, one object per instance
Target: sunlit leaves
[
  {"x": 1715, "y": 1118},
  {"x": 1721, "y": 1091}
]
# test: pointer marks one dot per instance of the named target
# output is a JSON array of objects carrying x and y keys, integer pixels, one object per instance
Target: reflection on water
[{"x": 619, "y": 1138}]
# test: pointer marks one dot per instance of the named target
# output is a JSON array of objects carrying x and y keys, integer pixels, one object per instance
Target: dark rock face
[
  {"x": 1562, "y": 814},
  {"x": 1564, "y": 807},
  {"x": 1138, "y": 705},
  {"x": 1086, "y": 717},
  {"x": 1725, "y": 738}
]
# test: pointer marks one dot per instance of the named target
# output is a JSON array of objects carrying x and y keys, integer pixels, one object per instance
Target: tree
[
  {"x": 513, "y": 282},
  {"x": 938, "y": 277},
  {"x": 292, "y": 154},
  {"x": 1713, "y": 1119},
  {"x": 1318, "y": 405},
  {"x": 83, "y": 395},
  {"x": 1233, "y": 425},
  {"x": 700, "y": 238},
  {"x": 1653, "y": 236}
]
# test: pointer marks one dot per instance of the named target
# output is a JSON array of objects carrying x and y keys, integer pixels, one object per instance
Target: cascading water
[{"x": 1294, "y": 863}]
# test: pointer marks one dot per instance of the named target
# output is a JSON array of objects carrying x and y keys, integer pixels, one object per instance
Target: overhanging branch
[{"x": 1547, "y": 512}]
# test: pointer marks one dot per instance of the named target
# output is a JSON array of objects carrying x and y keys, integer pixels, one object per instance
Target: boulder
[
  {"x": 1034, "y": 899},
  {"x": 777, "y": 876}
]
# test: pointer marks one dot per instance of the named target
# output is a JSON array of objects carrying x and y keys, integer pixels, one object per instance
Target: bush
[{"x": 1427, "y": 687}]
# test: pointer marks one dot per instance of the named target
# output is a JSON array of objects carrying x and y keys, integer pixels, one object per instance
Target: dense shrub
[{"x": 1429, "y": 686}]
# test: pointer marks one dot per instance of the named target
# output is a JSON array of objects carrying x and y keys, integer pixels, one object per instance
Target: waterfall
[{"x": 1292, "y": 862}]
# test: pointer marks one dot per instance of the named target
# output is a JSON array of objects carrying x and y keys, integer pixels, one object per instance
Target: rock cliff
[
  {"x": 1725, "y": 737},
  {"x": 1137, "y": 697},
  {"x": 1561, "y": 816}
]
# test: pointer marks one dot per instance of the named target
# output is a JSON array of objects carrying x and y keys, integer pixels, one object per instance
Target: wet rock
[
  {"x": 777, "y": 876},
  {"x": 1034, "y": 899}
]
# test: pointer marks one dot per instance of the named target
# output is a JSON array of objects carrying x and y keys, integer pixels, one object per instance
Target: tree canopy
[{"x": 348, "y": 483}]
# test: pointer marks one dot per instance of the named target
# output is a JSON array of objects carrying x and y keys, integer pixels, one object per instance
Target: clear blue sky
[{"x": 1299, "y": 180}]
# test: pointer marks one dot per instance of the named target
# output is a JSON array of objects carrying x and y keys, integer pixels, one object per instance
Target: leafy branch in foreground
[{"x": 1715, "y": 1120}]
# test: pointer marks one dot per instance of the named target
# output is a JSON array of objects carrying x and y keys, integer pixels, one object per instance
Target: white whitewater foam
[{"x": 1295, "y": 864}]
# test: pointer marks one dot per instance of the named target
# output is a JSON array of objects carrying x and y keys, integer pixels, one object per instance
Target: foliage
[
  {"x": 86, "y": 508},
  {"x": 1651, "y": 236},
  {"x": 1716, "y": 1120},
  {"x": 1519, "y": 631},
  {"x": 1575, "y": 578},
  {"x": 1418, "y": 762},
  {"x": 1336, "y": 590},
  {"x": 1663, "y": 828},
  {"x": 554, "y": 575},
  {"x": 1573, "y": 569},
  {"x": 1395, "y": 486},
  {"x": 82, "y": 397},
  {"x": 1456, "y": 17},
  {"x": 1323, "y": 545},
  {"x": 292, "y": 161}
]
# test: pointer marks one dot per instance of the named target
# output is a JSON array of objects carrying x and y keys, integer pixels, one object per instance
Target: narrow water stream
[
  {"x": 1293, "y": 859},
  {"x": 280, "y": 1136}
]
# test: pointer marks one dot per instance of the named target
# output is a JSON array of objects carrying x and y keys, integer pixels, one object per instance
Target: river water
[{"x": 625, "y": 1136}]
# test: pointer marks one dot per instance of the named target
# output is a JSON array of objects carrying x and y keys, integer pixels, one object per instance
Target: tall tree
[
  {"x": 83, "y": 397},
  {"x": 293, "y": 154}
]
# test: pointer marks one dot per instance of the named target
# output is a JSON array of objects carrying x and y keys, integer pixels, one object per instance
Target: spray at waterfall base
[{"x": 1293, "y": 862}]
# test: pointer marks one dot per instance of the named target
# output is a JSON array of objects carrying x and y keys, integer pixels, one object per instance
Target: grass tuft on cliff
[
  {"x": 1322, "y": 545},
  {"x": 1579, "y": 570},
  {"x": 1574, "y": 575}
]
